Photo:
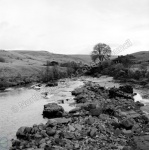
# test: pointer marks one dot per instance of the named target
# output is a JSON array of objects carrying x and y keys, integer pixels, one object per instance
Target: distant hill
[{"x": 31, "y": 62}]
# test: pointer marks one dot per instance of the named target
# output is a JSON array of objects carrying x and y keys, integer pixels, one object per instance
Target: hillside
[
  {"x": 142, "y": 56},
  {"x": 29, "y": 63}
]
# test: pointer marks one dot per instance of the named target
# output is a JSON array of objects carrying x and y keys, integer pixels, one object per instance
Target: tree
[{"x": 101, "y": 51}]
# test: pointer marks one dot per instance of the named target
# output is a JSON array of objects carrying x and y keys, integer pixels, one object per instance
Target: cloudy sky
[{"x": 73, "y": 26}]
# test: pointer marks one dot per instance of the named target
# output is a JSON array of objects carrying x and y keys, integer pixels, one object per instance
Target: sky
[{"x": 74, "y": 26}]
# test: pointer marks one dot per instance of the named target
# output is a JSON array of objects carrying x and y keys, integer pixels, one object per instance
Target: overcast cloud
[{"x": 73, "y": 26}]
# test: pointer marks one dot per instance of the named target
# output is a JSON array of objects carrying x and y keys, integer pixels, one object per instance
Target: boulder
[
  {"x": 53, "y": 110},
  {"x": 22, "y": 131}
]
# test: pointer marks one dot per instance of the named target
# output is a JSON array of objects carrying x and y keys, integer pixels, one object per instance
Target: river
[{"x": 24, "y": 106}]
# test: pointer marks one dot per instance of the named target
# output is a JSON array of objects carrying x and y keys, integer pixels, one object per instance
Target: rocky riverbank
[{"x": 106, "y": 119}]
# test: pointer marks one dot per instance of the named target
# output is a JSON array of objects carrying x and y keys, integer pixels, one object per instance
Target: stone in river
[{"x": 53, "y": 110}]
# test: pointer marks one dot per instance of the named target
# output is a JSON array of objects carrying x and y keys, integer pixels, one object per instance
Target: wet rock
[{"x": 53, "y": 110}]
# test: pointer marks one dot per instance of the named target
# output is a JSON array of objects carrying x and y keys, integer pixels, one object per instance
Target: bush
[{"x": 2, "y": 59}]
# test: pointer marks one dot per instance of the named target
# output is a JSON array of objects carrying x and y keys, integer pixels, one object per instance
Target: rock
[
  {"x": 77, "y": 91},
  {"x": 127, "y": 123},
  {"x": 69, "y": 135},
  {"x": 50, "y": 132},
  {"x": 127, "y": 132},
  {"x": 53, "y": 110},
  {"x": 51, "y": 123},
  {"x": 50, "y": 84},
  {"x": 117, "y": 132},
  {"x": 93, "y": 132},
  {"x": 71, "y": 128},
  {"x": 16, "y": 143},
  {"x": 90, "y": 120},
  {"x": 21, "y": 133},
  {"x": 78, "y": 127},
  {"x": 75, "y": 110},
  {"x": 142, "y": 142},
  {"x": 127, "y": 148},
  {"x": 62, "y": 120},
  {"x": 126, "y": 89},
  {"x": 139, "y": 104},
  {"x": 95, "y": 112}
]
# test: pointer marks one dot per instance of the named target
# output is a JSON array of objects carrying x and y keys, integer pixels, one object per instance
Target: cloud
[{"x": 68, "y": 26}]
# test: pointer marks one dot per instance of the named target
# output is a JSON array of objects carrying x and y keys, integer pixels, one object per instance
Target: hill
[
  {"x": 142, "y": 56},
  {"x": 29, "y": 63}
]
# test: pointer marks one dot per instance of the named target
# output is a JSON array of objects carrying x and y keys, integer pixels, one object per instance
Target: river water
[{"x": 24, "y": 106}]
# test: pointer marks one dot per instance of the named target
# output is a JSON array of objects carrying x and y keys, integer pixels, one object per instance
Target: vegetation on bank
[
  {"x": 59, "y": 71},
  {"x": 124, "y": 68}
]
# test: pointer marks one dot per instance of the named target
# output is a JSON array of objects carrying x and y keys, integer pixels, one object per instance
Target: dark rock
[
  {"x": 21, "y": 133},
  {"x": 77, "y": 91},
  {"x": 53, "y": 110},
  {"x": 16, "y": 143},
  {"x": 95, "y": 112},
  {"x": 50, "y": 84},
  {"x": 139, "y": 104},
  {"x": 126, "y": 89}
]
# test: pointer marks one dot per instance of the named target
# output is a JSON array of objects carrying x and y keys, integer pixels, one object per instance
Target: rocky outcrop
[
  {"x": 101, "y": 122},
  {"x": 53, "y": 110}
]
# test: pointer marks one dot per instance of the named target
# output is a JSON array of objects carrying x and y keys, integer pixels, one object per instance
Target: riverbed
[{"x": 24, "y": 106}]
